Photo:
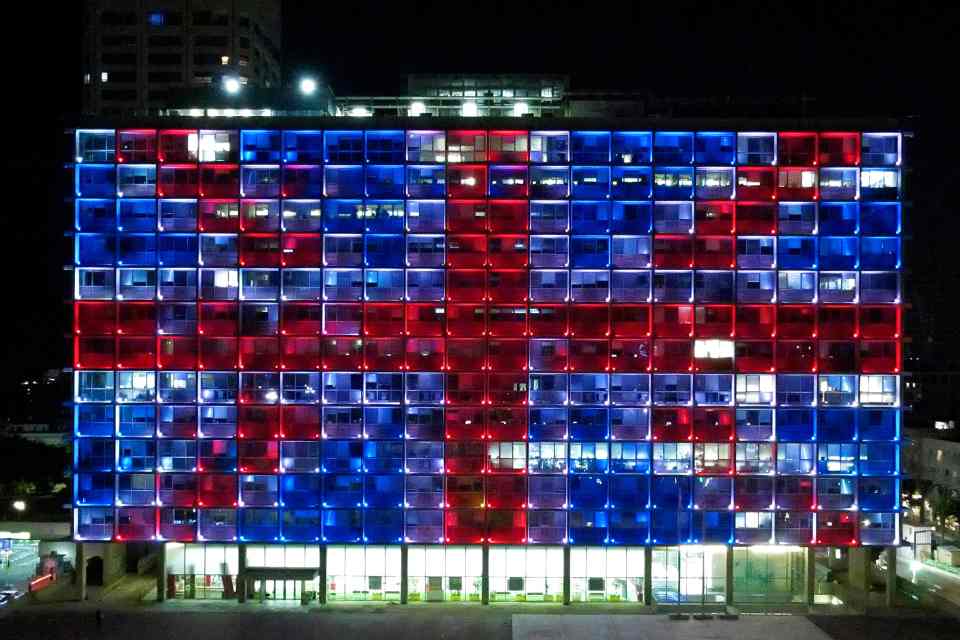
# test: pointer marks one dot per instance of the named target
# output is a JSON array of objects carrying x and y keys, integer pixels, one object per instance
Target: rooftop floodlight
[
  {"x": 417, "y": 108},
  {"x": 308, "y": 86},
  {"x": 231, "y": 85}
]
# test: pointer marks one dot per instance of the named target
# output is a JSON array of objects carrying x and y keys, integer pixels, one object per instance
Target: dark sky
[{"x": 876, "y": 58}]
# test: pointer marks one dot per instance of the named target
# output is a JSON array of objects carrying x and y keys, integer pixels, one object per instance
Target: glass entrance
[{"x": 281, "y": 589}]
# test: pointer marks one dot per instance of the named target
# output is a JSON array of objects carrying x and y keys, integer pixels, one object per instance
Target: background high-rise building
[{"x": 134, "y": 52}]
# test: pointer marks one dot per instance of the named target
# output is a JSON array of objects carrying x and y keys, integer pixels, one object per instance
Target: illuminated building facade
[{"x": 404, "y": 349}]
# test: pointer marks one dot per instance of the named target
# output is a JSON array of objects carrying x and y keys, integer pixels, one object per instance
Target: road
[
  {"x": 23, "y": 563},
  {"x": 937, "y": 581}
]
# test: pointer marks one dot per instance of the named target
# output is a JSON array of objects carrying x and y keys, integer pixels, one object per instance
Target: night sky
[{"x": 867, "y": 58}]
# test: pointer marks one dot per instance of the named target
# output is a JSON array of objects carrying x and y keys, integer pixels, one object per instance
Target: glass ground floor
[{"x": 682, "y": 575}]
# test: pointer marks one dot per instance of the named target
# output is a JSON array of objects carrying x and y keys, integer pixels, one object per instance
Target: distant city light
[
  {"x": 360, "y": 112},
  {"x": 521, "y": 109},
  {"x": 19, "y": 505},
  {"x": 417, "y": 108},
  {"x": 308, "y": 86},
  {"x": 231, "y": 85},
  {"x": 468, "y": 109}
]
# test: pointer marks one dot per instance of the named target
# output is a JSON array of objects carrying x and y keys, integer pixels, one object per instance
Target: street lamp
[
  {"x": 308, "y": 86},
  {"x": 231, "y": 85}
]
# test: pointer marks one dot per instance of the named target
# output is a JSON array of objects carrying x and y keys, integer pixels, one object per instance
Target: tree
[{"x": 944, "y": 506}]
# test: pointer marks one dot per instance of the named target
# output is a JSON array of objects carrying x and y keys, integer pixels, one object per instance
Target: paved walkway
[{"x": 598, "y": 627}]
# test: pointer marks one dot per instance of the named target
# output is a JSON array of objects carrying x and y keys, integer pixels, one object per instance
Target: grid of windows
[{"x": 587, "y": 337}]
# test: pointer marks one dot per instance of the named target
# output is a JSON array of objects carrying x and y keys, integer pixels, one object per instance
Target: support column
[
  {"x": 648, "y": 576},
  {"x": 322, "y": 570},
  {"x": 728, "y": 577},
  {"x": 566, "y": 574},
  {"x": 485, "y": 579},
  {"x": 404, "y": 570},
  {"x": 810, "y": 583},
  {"x": 80, "y": 557},
  {"x": 891, "y": 590},
  {"x": 162, "y": 572},
  {"x": 858, "y": 576},
  {"x": 242, "y": 582}
]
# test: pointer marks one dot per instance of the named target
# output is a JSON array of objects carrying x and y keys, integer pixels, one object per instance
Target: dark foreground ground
[{"x": 173, "y": 622}]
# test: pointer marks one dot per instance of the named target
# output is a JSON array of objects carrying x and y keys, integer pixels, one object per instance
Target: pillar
[
  {"x": 566, "y": 574},
  {"x": 858, "y": 576},
  {"x": 162, "y": 572},
  {"x": 403, "y": 574},
  {"x": 322, "y": 570},
  {"x": 728, "y": 577},
  {"x": 891, "y": 590},
  {"x": 648, "y": 576},
  {"x": 242, "y": 582},
  {"x": 810, "y": 584},
  {"x": 81, "y": 570},
  {"x": 485, "y": 579}
]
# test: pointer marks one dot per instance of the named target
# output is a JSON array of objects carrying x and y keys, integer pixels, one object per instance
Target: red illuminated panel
[
  {"x": 839, "y": 148},
  {"x": 341, "y": 354},
  {"x": 136, "y": 352},
  {"x": 506, "y": 423},
  {"x": 797, "y": 321},
  {"x": 630, "y": 356},
  {"x": 754, "y": 356},
  {"x": 672, "y": 252},
  {"x": 797, "y": 148},
  {"x": 260, "y": 250},
  {"x": 217, "y": 490},
  {"x": 673, "y": 321},
  {"x": 425, "y": 319},
  {"x": 508, "y": 146},
  {"x": 714, "y": 217},
  {"x": 302, "y": 250},
  {"x": 508, "y": 216},
  {"x": 630, "y": 320},
  {"x": 671, "y": 424},
  {"x": 507, "y": 354},
  {"x": 259, "y": 353},
  {"x": 756, "y": 321},
  {"x": 219, "y": 180},
  {"x": 94, "y": 352},
  {"x": 714, "y": 320},
  {"x": 299, "y": 353},
  {"x": 177, "y": 352},
  {"x": 756, "y": 183},
  {"x": 796, "y": 356},
  {"x": 218, "y": 353},
  {"x": 713, "y": 424},
  {"x": 258, "y": 423},
  {"x": 425, "y": 354},
  {"x": 300, "y": 422},
  {"x": 589, "y": 355},
  {"x": 467, "y": 181},
  {"x": 383, "y": 354},
  {"x": 714, "y": 252},
  {"x": 468, "y": 216},
  {"x": 756, "y": 217},
  {"x": 590, "y": 321},
  {"x": 466, "y": 251},
  {"x": 177, "y": 181},
  {"x": 672, "y": 355},
  {"x": 548, "y": 320},
  {"x": 177, "y": 145},
  {"x": 94, "y": 318}
]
